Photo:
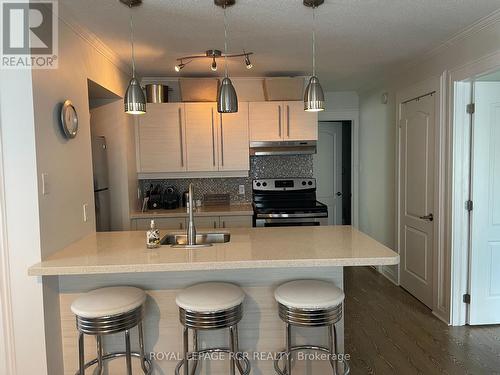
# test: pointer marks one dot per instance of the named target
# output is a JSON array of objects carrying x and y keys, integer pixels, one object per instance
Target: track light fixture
[
  {"x": 214, "y": 65},
  {"x": 248, "y": 63}
]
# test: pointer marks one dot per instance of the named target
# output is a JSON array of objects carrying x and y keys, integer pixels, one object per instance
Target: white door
[
  {"x": 266, "y": 121},
  {"x": 202, "y": 137},
  {"x": 299, "y": 125},
  {"x": 485, "y": 251},
  {"x": 233, "y": 140},
  {"x": 328, "y": 169},
  {"x": 417, "y": 167},
  {"x": 162, "y": 138}
]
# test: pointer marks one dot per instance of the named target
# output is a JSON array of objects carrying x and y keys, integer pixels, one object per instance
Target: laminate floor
[{"x": 388, "y": 332}]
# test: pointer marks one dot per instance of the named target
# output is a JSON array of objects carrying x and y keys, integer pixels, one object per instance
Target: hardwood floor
[{"x": 390, "y": 332}]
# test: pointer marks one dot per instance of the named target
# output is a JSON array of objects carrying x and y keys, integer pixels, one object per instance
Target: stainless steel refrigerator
[{"x": 101, "y": 184}]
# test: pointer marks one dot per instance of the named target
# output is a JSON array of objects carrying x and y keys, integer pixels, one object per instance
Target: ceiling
[{"x": 357, "y": 40}]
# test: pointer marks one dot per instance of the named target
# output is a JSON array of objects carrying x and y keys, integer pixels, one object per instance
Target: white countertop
[
  {"x": 123, "y": 252},
  {"x": 228, "y": 210}
]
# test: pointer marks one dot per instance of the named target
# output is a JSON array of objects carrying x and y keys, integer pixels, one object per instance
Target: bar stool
[
  {"x": 310, "y": 303},
  {"x": 211, "y": 306},
  {"x": 106, "y": 311}
]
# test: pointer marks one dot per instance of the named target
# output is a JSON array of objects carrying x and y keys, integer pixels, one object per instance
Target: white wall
[
  {"x": 22, "y": 304},
  {"x": 377, "y": 169},
  {"x": 377, "y": 128},
  {"x": 110, "y": 121}
]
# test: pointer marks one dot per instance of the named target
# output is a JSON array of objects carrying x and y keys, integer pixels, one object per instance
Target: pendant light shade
[
  {"x": 314, "y": 99},
  {"x": 227, "y": 100},
  {"x": 135, "y": 102}
]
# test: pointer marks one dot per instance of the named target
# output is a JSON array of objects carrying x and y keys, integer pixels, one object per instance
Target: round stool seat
[
  {"x": 108, "y": 301},
  {"x": 210, "y": 297},
  {"x": 309, "y": 294}
]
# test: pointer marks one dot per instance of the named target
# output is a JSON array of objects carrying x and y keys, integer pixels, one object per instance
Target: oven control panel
[{"x": 285, "y": 184}]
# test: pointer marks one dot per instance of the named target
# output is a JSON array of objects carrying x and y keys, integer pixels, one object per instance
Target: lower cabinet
[
  {"x": 236, "y": 221},
  {"x": 172, "y": 223},
  {"x": 201, "y": 222}
]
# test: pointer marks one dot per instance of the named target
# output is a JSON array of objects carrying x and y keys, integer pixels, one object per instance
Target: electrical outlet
[
  {"x": 85, "y": 209},
  {"x": 45, "y": 184},
  {"x": 241, "y": 190}
]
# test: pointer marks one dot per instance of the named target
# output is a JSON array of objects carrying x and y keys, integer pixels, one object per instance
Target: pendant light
[
  {"x": 135, "y": 102},
  {"x": 314, "y": 99},
  {"x": 227, "y": 100}
]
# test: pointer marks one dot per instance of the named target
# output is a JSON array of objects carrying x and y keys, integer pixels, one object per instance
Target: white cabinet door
[
  {"x": 233, "y": 140},
  {"x": 161, "y": 136},
  {"x": 206, "y": 222},
  {"x": 299, "y": 125},
  {"x": 163, "y": 223},
  {"x": 201, "y": 137},
  {"x": 266, "y": 121},
  {"x": 236, "y": 221}
]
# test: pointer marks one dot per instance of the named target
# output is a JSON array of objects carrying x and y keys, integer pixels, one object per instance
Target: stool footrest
[
  {"x": 243, "y": 370},
  {"x": 346, "y": 369},
  {"x": 146, "y": 364}
]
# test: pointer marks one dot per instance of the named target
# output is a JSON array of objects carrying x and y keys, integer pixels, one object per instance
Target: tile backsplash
[{"x": 260, "y": 167}]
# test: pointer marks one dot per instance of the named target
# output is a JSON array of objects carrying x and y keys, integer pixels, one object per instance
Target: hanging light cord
[
  {"x": 225, "y": 41},
  {"x": 314, "y": 41},
  {"x": 132, "y": 43}
]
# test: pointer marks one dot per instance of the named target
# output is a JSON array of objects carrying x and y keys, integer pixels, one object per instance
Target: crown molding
[
  {"x": 478, "y": 26},
  {"x": 92, "y": 39}
]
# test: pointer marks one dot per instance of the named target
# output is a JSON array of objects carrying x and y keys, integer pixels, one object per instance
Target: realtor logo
[{"x": 29, "y": 37}]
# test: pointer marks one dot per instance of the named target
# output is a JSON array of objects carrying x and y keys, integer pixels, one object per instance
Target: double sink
[{"x": 202, "y": 239}]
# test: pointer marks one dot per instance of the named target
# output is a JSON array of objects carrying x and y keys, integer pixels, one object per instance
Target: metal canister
[{"x": 156, "y": 93}]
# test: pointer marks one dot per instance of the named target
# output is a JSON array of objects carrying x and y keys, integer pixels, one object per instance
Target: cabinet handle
[
  {"x": 288, "y": 121},
  {"x": 215, "y": 224},
  {"x": 223, "y": 224},
  {"x": 279, "y": 121},
  {"x": 181, "y": 226},
  {"x": 221, "y": 140},
  {"x": 181, "y": 138},
  {"x": 213, "y": 139}
]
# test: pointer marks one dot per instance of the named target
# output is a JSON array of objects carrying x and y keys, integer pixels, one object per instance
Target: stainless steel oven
[{"x": 287, "y": 202}]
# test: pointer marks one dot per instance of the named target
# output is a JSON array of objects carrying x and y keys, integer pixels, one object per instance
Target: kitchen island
[{"x": 258, "y": 259}]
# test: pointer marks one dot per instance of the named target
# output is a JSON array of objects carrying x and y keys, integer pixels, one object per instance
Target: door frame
[
  {"x": 460, "y": 95},
  {"x": 440, "y": 304},
  {"x": 351, "y": 115}
]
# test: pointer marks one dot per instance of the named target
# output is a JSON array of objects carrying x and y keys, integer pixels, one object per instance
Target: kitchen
[{"x": 267, "y": 180}]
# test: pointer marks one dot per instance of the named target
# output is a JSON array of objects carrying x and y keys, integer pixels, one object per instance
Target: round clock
[{"x": 69, "y": 119}]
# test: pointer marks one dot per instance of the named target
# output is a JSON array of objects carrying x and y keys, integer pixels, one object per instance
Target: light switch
[
  {"x": 241, "y": 190},
  {"x": 45, "y": 184},
  {"x": 85, "y": 216}
]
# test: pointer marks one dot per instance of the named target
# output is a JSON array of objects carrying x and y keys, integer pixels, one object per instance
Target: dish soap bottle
[{"x": 153, "y": 237}]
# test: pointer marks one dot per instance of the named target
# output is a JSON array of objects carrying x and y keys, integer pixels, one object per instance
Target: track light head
[
  {"x": 214, "y": 65},
  {"x": 179, "y": 67},
  {"x": 248, "y": 63}
]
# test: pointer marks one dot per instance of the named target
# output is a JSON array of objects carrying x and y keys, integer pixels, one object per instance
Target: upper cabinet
[
  {"x": 192, "y": 138},
  {"x": 161, "y": 139},
  {"x": 201, "y": 137},
  {"x": 233, "y": 140},
  {"x": 282, "y": 121}
]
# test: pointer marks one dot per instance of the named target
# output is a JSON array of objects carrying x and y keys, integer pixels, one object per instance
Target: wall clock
[{"x": 69, "y": 119}]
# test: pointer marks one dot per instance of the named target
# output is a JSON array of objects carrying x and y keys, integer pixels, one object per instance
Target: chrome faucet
[{"x": 191, "y": 230}]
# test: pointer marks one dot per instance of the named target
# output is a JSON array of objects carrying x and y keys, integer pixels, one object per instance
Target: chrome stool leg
[
  {"x": 81, "y": 354},
  {"x": 141, "y": 347},
  {"x": 100, "y": 368},
  {"x": 128, "y": 356},
  {"x": 288, "y": 335},
  {"x": 195, "y": 350},
  {"x": 186, "y": 351},
  {"x": 232, "y": 348},
  {"x": 332, "y": 335}
]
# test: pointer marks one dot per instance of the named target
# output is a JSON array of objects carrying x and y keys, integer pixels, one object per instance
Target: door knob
[
  {"x": 338, "y": 194},
  {"x": 429, "y": 217}
]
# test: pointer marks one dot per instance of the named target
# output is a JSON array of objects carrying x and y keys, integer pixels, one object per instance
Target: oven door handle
[{"x": 284, "y": 216}]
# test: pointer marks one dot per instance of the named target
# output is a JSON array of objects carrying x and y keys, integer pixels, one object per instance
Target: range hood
[{"x": 282, "y": 148}]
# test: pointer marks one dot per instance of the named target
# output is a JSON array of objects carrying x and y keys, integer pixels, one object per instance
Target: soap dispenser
[{"x": 153, "y": 236}]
